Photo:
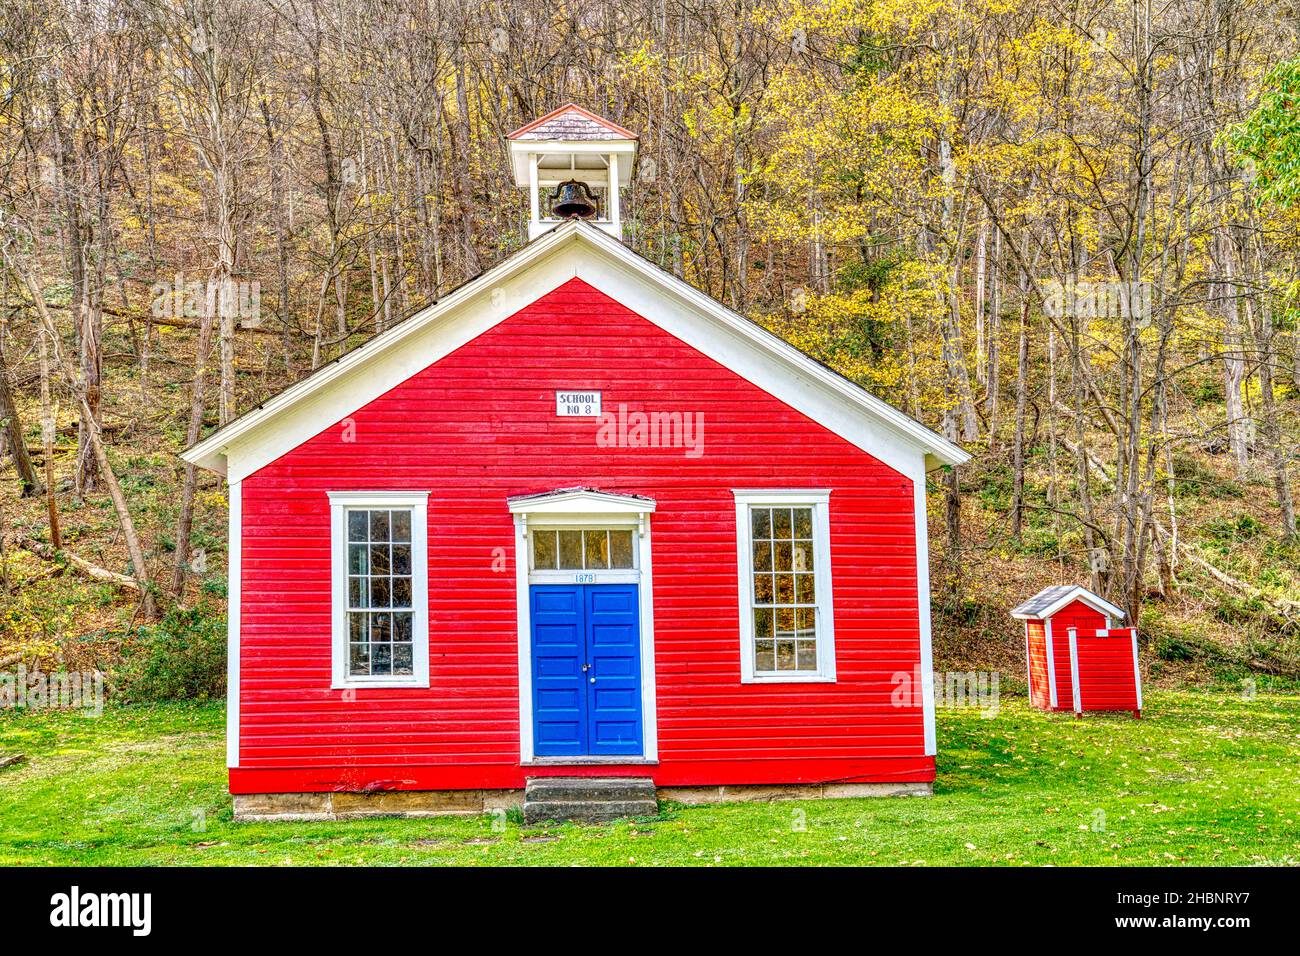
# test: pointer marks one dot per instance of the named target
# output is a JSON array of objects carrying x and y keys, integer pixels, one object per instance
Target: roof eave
[{"x": 936, "y": 451}]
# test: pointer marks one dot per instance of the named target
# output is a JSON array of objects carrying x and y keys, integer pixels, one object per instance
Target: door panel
[
  {"x": 559, "y": 692},
  {"x": 614, "y": 685},
  {"x": 596, "y": 710}
]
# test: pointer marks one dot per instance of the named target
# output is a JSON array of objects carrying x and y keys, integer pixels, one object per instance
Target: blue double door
[{"x": 586, "y": 670}]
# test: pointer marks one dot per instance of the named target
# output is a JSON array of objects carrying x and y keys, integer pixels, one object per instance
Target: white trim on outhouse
[{"x": 1063, "y": 596}]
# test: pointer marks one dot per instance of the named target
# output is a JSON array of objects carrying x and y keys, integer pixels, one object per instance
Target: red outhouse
[
  {"x": 575, "y": 519},
  {"x": 1075, "y": 657}
]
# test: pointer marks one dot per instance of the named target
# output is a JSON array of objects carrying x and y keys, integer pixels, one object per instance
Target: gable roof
[
  {"x": 571, "y": 123},
  {"x": 573, "y": 249},
  {"x": 1050, "y": 600}
]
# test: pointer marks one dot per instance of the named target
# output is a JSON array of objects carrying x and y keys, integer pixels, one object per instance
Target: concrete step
[
  {"x": 589, "y": 788},
  {"x": 589, "y": 799},
  {"x": 589, "y": 811}
]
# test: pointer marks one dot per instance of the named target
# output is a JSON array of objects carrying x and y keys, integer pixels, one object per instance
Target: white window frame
[
  {"x": 418, "y": 503},
  {"x": 823, "y": 589}
]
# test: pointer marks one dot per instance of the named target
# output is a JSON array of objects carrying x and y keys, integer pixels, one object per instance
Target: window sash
[
  {"x": 786, "y": 624},
  {"x": 379, "y": 561}
]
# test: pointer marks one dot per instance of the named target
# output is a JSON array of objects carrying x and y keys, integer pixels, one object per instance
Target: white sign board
[{"x": 576, "y": 404}]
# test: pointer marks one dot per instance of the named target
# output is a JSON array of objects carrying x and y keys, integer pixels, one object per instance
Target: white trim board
[
  {"x": 1074, "y": 669},
  {"x": 618, "y": 513},
  {"x": 1051, "y": 663},
  {"x": 1077, "y": 593},
  {"x": 234, "y": 583},
  {"x": 574, "y": 249},
  {"x": 922, "y": 522}
]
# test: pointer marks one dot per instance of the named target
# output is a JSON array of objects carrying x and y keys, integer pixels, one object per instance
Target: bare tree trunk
[
  {"x": 994, "y": 334},
  {"x": 1234, "y": 363},
  {"x": 981, "y": 275},
  {"x": 14, "y": 429},
  {"x": 1259, "y": 320},
  {"x": 134, "y": 549},
  {"x": 1018, "y": 448},
  {"x": 185, "y": 522},
  {"x": 48, "y": 416}
]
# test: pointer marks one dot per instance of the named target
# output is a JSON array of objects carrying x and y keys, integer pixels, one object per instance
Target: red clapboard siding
[
  {"x": 479, "y": 426},
  {"x": 1040, "y": 691},
  {"x": 1079, "y": 615},
  {"x": 1107, "y": 680}
]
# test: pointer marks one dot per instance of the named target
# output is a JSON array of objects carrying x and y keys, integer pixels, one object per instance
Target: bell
[{"x": 573, "y": 200}]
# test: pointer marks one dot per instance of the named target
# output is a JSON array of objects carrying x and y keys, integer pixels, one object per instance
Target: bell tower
[{"x": 573, "y": 164}]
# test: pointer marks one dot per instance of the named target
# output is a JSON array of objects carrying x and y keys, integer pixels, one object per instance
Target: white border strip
[
  {"x": 922, "y": 523},
  {"x": 234, "y": 583},
  {"x": 1137, "y": 671},
  {"x": 645, "y": 608},
  {"x": 1051, "y": 663},
  {"x": 1074, "y": 670},
  {"x": 1029, "y": 667}
]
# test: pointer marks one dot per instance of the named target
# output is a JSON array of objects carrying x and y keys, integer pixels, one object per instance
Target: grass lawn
[{"x": 1202, "y": 779}]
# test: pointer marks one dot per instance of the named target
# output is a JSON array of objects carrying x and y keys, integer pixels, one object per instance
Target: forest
[{"x": 1063, "y": 233}]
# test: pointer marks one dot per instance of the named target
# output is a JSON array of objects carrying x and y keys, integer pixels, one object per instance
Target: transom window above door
[{"x": 583, "y": 549}]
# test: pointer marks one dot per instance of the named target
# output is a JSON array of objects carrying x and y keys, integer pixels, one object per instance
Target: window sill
[
  {"x": 407, "y": 684},
  {"x": 789, "y": 679}
]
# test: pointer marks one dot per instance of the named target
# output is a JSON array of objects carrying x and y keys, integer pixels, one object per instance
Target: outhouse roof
[{"x": 1050, "y": 600}]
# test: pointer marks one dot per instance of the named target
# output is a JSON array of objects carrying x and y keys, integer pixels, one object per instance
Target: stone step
[
  {"x": 589, "y": 788},
  {"x": 589, "y": 811},
  {"x": 589, "y": 799}
]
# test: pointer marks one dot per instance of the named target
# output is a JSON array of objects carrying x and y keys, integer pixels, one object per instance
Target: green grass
[{"x": 1202, "y": 779}]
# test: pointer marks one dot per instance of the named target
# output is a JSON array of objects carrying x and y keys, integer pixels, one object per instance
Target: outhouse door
[{"x": 586, "y": 658}]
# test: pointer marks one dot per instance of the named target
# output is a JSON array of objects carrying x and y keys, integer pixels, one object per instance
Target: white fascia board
[
  {"x": 336, "y": 391},
  {"x": 755, "y": 359},
  {"x": 520, "y": 149},
  {"x": 783, "y": 358},
  {"x": 1079, "y": 593},
  {"x": 572, "y": 249}
]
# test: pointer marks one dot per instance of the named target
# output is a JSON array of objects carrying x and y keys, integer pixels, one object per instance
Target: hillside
[
  {"x": 54, "y": 615},
  {"x": 1068, "y": 240}
]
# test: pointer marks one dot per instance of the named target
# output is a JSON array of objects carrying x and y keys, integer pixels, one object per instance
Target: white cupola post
[{"x": 571, "y": 153}]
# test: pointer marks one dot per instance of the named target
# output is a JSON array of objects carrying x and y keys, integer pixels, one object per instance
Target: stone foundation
[
  {"x": 765, "y": 793},
  {"x": 257, "y": 807}
]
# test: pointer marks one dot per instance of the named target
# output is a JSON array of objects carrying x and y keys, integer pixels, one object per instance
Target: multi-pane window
[
  {"x": 786, "y": 624},
  {"x": 585, "y": 549},
  {"x": 784, "y": 582},
  {"x": 380, "y": 612},
  {"x": 380, "y": 588}
]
